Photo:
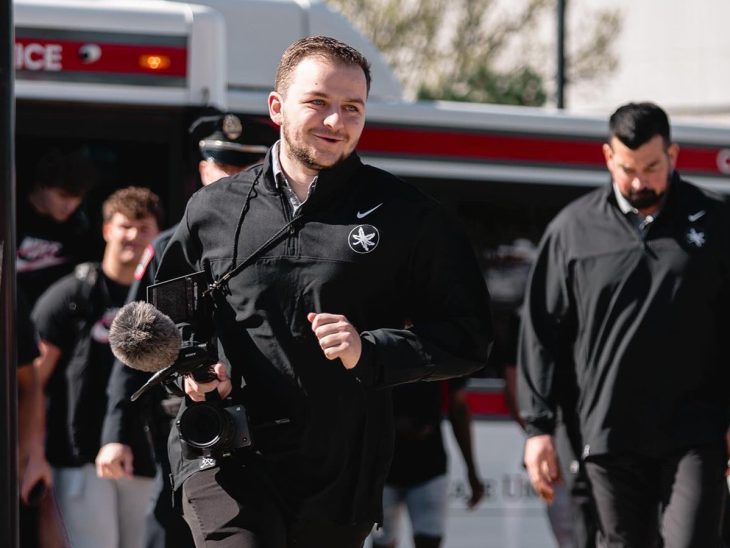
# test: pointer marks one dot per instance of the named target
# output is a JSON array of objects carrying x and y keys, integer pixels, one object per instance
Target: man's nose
[
  {"x": 333, "y": 119},
  {"x": 70, "y": 205},
  {"x": 638, "y": 183}
]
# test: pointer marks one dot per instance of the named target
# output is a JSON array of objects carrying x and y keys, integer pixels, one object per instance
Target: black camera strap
[{"x": 215, "y": 287}]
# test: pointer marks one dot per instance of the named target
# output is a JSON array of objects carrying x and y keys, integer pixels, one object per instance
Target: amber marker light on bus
[{"x": 154, "y": 62}]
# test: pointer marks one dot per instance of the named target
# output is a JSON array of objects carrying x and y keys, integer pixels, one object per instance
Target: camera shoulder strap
[
  {"x": 217, "y": 285},
  {"x": 85, "y": 303}
]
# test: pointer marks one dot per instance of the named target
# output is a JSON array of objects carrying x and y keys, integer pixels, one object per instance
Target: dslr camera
[{"x": 210, "y": 428}]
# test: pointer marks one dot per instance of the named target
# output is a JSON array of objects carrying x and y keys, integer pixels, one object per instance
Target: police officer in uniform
[{"x": 231, "y": 147}]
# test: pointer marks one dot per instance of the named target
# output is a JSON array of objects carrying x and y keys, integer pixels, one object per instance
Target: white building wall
[{"x": 673, "y": 52}]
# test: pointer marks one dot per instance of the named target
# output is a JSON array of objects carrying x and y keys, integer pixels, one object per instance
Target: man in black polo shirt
[
  {"x": 319, "y": 260},
  {"x": 629, "y": 304}
]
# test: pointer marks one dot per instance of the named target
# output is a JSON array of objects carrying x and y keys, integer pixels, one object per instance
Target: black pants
[
  {"x": 572, "y": 469},
  {"x": 676, "y": 500},
  {"x": 164, "y": 525},
  {"x": 28, "y": 526},
  {"x": 231, "y": 507}
]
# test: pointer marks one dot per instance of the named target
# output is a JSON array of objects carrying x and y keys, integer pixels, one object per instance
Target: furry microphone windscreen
[{"x": 144, "y": 338}]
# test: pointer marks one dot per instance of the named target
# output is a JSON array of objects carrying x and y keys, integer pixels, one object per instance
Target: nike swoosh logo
[
  {"x": 692, "y": 218},
  {"x": 363, "y": 214}
]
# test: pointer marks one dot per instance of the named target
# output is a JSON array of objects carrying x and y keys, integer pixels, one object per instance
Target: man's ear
[
  {"x": 202, "y": 170},
  {"x": 607, "y": 154},
  {"x": 673, "y": 153},
  {"x": 105, "y": 226},
  {"x": 275, "y": 107}
]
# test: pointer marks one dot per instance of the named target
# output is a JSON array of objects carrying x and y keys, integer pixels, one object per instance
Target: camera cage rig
[{"x": 185, "y": 302}]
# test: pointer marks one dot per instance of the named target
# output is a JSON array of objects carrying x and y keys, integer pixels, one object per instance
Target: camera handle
[
  {"x": 213, "y": 396},
  {"x": 204, "y": 374}
]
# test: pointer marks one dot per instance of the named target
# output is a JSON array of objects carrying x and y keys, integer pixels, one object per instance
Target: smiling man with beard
[
  {"x": 317, "y": 261},
  {"x": 623, "y": 332}
]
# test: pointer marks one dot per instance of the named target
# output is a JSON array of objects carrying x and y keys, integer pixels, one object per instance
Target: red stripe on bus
[
  {"x": 114, "y": 58},
  {"x": 437, "y": 144},
  {"x": 487, "y": 403}
]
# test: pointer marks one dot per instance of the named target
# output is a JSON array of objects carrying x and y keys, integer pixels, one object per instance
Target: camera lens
[{"x": 203, "y": 426}]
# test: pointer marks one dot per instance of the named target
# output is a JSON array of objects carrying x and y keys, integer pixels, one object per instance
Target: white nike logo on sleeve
[
  {"x": 694, "y": 216},
  {"x": 363, "y": 214}
]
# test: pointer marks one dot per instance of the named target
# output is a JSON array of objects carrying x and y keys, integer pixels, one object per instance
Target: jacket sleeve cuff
[
  {"x": 112, "y": 431},
  {"x": 539, "y": 428},
  {"x": 365, "y": 371}
]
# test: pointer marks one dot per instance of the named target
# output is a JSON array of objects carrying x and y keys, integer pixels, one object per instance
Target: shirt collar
[
  {"x": 282, "y": 183},
  {"x": 279, "y": 177},
  {"x": 626, "y": 208},
  {"x": 637, "y": 219},
  {"x": 623, "y": 203}
]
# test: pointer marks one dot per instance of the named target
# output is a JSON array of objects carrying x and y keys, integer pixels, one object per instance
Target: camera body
[{"x": 210, "y": 428}]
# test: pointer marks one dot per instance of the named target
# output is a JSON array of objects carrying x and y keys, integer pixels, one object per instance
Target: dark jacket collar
[{"x": 328, "y": 180}]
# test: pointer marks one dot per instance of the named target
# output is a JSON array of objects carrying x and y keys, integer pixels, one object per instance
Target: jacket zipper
[
  {"x": 639, "y": 233},
  {"x": 291, "y": 241}
]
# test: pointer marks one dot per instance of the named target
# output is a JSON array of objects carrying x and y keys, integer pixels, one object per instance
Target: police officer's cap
[{"x": 230, "y": 141}]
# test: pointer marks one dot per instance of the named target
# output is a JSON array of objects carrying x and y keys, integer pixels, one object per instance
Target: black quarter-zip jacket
[
  {"x": 366, "y": 245},
  {"x": 636, "y": 324}
]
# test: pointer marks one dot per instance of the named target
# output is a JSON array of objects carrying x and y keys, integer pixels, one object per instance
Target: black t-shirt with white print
[
  {"x": 48, "y": 250},
  {"x": 76, "y": 390}
]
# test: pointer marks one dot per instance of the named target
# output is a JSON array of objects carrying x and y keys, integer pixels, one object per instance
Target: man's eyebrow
[
  {"x": 650, "y": 164},
  {"x": 357, "y": 100}
]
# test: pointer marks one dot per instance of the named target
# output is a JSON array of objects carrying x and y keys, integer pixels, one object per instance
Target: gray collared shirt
[{"x": 283, "y": 183}]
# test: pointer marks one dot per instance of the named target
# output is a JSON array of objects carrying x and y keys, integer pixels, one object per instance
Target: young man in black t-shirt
[
  {"x": 53, "y": 232},
  {"x": 73, "y": 318}
]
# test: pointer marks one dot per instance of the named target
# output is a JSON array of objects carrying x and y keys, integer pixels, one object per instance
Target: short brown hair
[
  {"x": 323, "y": 46},
  {"x": 134, "y": 203}
]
